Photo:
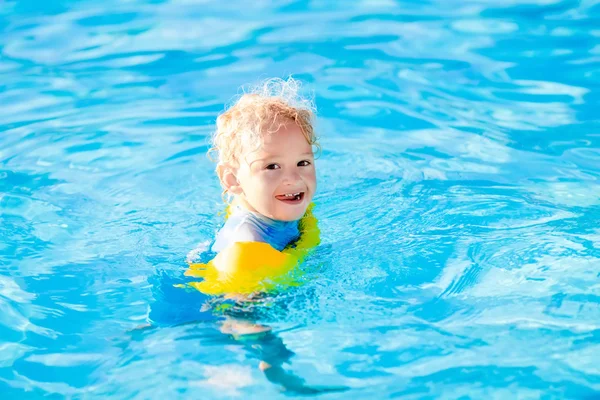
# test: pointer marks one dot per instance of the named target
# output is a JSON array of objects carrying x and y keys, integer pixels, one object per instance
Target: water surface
[{"x": 458, "y": 197}]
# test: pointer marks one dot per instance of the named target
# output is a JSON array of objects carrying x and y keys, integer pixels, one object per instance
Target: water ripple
[{"x": 458, "y": 197}]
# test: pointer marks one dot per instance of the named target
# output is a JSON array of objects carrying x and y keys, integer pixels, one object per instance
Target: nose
[{"x": 291, "y": 178}]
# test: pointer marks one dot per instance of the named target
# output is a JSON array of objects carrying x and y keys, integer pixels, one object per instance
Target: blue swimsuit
[{"x": 246, "y": 226}]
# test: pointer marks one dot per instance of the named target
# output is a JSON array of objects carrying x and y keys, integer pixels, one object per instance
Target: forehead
[
  {"x": 288, "y": 140},
  {"x": 289, "y": 133}
]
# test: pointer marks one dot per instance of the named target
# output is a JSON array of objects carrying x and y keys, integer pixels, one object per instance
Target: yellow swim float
[{"x": 249, "y": 267}]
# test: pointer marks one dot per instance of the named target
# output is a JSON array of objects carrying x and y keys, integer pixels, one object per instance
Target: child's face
[{"x": 278, "y": 180}]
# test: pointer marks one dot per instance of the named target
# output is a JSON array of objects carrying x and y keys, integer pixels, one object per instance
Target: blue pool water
[{"x": 459, "y": 198}]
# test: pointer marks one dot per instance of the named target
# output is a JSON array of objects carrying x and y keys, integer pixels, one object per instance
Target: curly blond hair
[{"x": 261, "y": 111}]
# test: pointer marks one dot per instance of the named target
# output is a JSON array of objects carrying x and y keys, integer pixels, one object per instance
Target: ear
[{"x": 229, "y": 181}]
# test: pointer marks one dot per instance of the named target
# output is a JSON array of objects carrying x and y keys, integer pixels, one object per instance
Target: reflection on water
[{"x": 458, "y": 196}]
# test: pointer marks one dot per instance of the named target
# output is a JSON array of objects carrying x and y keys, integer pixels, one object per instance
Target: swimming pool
[{"x": 458, "y": 198}]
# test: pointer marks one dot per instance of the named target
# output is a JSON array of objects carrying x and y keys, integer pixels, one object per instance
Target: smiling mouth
[{"x": 291, "y": 198}]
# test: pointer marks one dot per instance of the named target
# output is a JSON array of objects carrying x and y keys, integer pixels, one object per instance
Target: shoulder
[
  {"x": 247, "y": 231},
  {"x": 237, "y": 229}
]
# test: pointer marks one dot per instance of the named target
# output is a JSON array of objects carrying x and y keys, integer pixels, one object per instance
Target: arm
[{"x": 244, "y": 268}]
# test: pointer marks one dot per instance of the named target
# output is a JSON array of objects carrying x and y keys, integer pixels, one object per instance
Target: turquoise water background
[{"x": 459, "y": 197}]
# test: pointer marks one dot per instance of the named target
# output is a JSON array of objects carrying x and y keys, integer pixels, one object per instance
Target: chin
[{"x": 290, "y": 216}]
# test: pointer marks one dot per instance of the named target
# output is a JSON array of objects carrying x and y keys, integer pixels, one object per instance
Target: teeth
[{"x": 292, "y": 194}]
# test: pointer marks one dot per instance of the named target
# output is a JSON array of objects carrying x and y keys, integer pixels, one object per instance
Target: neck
[
  {"x": 239, "y": 202},
  {"x": 244, "y": 205}
]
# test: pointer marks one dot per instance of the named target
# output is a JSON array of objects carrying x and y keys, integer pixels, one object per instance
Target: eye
[
  {"x": 304, "y": 163},
  {"x": 272, "y": 166}
]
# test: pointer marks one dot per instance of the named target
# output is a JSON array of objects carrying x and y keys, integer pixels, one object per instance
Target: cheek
[
  {"x": 267, "y": 183},
  {"x": 310, "y": 177}
]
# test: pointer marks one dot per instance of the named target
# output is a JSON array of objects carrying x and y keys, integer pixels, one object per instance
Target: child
[{"x": 265, "y": 163}]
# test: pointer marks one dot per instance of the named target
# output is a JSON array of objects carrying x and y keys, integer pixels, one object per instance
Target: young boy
[{"x": 264, "y": 144}]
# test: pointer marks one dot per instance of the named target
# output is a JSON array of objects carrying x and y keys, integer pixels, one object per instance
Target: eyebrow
[{"x": 268, "y": 158}]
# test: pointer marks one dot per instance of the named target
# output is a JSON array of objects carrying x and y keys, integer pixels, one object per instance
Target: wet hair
[{"x": 262, "y": 110}]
